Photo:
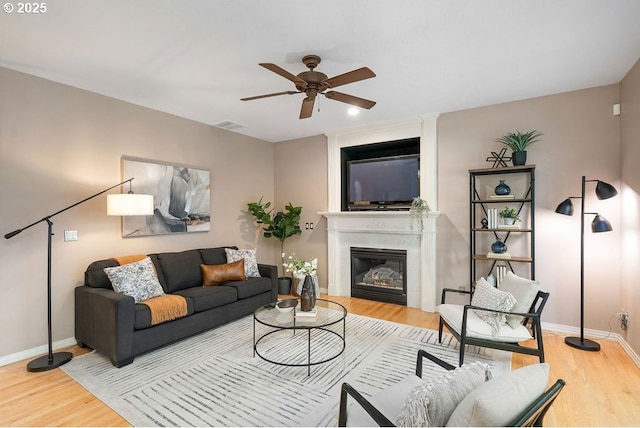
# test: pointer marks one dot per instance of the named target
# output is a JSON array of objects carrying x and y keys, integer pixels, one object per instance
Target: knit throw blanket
[{"x": 163, "y": 308}]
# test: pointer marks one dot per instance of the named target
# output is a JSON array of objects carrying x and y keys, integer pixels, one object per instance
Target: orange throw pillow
[{"x": 218, "y": 274}]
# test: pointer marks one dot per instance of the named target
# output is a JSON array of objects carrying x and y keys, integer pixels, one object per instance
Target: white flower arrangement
[{"x": 301, "y": 267}]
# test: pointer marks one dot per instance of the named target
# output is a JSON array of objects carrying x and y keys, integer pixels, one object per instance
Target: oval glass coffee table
[{"x": 283, "y": 344}]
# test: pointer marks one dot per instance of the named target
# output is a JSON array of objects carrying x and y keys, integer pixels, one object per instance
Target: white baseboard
[
  {"x": 37, "y": 351},
  {"x": 596, "y": 334}
]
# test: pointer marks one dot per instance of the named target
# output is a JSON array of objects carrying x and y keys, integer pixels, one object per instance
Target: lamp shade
[
  {"x": 126, "y": 204},
  {"x": 600, "y": 224},
  {"x": 565, "y": 207},
  {"x": 605, "y": 190}
]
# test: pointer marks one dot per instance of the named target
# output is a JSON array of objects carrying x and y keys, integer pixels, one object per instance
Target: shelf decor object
[
  {"x": 117, "y": 205},
  {"x": 599, "y": 224}
]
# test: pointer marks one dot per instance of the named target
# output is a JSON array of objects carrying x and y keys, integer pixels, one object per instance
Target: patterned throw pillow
[
  {"x": 486, "y": 296},
  {"x": 138, "y": 280},
  {"x": 250, "y": 263},
  {"x": 433, "y": 402}
]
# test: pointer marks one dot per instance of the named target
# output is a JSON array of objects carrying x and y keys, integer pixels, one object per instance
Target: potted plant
[
  {"x": 518, "y": 142},
  {"x": 281, "y": 225},
  {"x": 418, "y": 207},
  {"x": 509, "y": 215}
]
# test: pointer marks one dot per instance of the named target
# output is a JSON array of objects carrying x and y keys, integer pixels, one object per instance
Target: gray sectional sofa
[{"x": 114, "y": 325}]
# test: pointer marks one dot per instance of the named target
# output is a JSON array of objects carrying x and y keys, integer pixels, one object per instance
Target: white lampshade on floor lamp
[
  {"x": 128, "y": 204},
  {"x": 599, "y": 224}
]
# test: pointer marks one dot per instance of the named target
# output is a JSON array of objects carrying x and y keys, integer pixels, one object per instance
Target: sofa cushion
[
  {"x": 250, "y": 287},
  {"x": 142, "y": 317},
  {"x": 205, "y": 298},
  {"x": 250, "y": 262},
  {"x": 95, "y": 275},
  {"x": 214, "y": 256},
  {"x": 219, "y": 274},
  {"x": 180, "y": 270},
  {"x": 524, "y": 291},
  {"x": 137, "y": 280},
  {"x": 497, "y": 402}
]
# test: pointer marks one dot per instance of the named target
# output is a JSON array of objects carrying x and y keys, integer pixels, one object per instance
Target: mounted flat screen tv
[{"x": 383, "y": 183}]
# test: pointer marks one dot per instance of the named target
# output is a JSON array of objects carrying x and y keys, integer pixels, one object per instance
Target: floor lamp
[
  {"x": 117, "y": 204},
  {"x": 599, "y": 224}
]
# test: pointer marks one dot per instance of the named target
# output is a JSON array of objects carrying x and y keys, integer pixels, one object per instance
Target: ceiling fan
[{"x": 314, "y": 82}]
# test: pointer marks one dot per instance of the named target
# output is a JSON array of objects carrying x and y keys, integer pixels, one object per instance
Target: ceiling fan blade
[
  {"x": 350, "y": 99},
  {"x": 269, "y": 95},
  {"x": 350, "y": 77},
  {"x": 284, "y": 73},
  {"x": 307, "y": 107}
]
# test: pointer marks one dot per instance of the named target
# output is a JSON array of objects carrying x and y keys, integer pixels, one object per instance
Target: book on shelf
[
  {"x": 492, "y": 255},
  {"x": 502, "y": 197}
]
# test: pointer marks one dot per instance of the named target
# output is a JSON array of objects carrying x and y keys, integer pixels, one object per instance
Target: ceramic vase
[
  {"x": 502, "y": 188},
  {"x": 307, "y": 297},
  {"x": 498, "y": 247}
]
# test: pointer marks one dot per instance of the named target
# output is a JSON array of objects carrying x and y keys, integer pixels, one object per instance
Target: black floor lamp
[
  {"x": 117, "y": 204},
  {"x": 599, "y": 224}
]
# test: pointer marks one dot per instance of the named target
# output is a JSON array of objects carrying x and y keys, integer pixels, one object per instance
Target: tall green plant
[{"x": 281, "y": 225}]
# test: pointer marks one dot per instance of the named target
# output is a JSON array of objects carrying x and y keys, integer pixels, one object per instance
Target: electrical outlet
[{"x": 623, "y": 319}]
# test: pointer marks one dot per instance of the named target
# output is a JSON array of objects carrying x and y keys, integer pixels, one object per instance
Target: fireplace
[{"x": 379, "y": 274}]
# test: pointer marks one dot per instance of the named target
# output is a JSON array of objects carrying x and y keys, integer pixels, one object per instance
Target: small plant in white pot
[{"x": 509, "y": 215}]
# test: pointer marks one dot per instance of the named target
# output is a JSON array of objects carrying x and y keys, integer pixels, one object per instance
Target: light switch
[{"x": 70, "y": 235}]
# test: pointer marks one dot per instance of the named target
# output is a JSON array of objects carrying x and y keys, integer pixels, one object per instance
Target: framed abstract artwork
[{"x": 181, "y": 198}]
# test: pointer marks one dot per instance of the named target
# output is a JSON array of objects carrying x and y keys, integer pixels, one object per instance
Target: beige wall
[
  {"x": 301, "y": 178},
  {"x": 630, "y": 136},
  {"x": 60, "y": 144}
]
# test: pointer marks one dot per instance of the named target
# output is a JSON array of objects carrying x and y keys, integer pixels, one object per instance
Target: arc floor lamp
[
  {"x": 124, "y": 204},
  {"x": 599, "y": 224}
]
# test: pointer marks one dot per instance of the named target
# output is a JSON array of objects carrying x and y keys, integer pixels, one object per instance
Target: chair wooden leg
[{"x": 440, "y": 331}]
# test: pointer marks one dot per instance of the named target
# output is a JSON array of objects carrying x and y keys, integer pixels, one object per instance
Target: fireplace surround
[
  {"x": 379, "y": 274},
  {"x": 395, "y": 230}
]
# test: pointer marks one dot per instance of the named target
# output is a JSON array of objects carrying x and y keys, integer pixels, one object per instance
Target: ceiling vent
[{"x": 229, "y": 125}]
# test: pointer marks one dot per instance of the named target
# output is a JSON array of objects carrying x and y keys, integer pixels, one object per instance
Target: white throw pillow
[
  {"x": 524, "y": 290},
  {"x": 486, "y": 296},
  {"x": 498, "y": 401},
  {"x": 250, "y": 263},
  {"x": 433, "y": 402},
  {"x": 138, "y": 280}
]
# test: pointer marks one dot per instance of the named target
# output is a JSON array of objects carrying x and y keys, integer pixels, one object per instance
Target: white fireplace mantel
[
  {"x": 385, "y": 229},
  {"x": 394, "y": 230}
]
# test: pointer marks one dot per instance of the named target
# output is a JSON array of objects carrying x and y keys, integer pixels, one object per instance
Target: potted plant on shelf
[
  {"x": 281, "y": 225},
  {"x": 518, "y": 142},
  {"x": 509, "y": 215}
]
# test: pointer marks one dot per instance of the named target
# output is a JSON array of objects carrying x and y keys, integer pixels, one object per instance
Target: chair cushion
[
  {"x": 389, "y": 402},
  {"x": 181, "y": 270},
  {"x": 487, "y": 296},
  {"x": 249, "y": 256},
  {"x": 523, "y": 290},
  {"x": 479, "y": 329},
  {"x": 433, "y": 402},
  {"x": 498, "y": 401}
]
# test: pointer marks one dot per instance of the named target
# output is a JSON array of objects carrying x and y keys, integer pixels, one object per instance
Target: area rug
[{"x": 213, "y": 379}]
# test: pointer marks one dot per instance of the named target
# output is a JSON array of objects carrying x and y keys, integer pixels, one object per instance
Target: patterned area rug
[{"x": 213, "y": 379}]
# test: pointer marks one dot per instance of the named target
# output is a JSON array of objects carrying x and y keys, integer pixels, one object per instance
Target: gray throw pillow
[
  {"x": 138, "y": 280},
  {"x": 524, "y": 291},
  {"x": 433, "y": 402},
  {"x": 486, "y": 296},
  {"x": 250, "y": 262}
]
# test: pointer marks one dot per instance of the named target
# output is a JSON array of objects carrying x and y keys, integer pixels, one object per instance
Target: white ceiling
[{"x": 197, "y": 58}]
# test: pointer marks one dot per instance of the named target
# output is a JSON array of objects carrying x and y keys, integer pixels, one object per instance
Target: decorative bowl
[{"x": 286, "y": 305}]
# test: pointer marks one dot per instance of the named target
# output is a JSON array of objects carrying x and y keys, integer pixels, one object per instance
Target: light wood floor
[{"x": 603, "y": 388}]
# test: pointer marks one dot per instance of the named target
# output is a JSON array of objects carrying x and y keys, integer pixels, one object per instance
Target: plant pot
[
  {"x": 509, "y": 221},
  {"x": 519, "y": 157},
  {"x": 284, "y": 285}
]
